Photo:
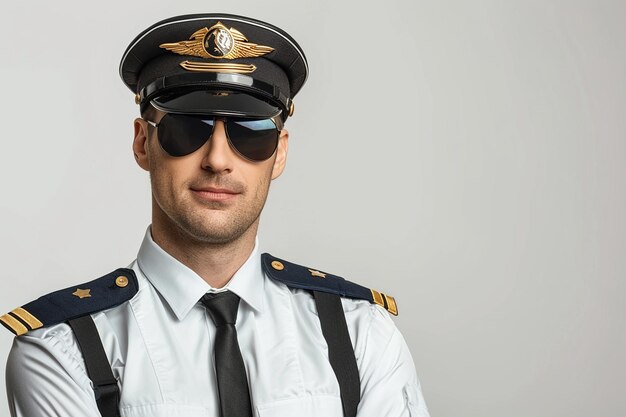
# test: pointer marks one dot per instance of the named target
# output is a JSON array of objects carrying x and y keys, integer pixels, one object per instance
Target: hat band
[{"x": 243, "y": 83}]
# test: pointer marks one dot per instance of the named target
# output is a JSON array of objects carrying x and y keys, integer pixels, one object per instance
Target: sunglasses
[{"x": 253, "y": 139}]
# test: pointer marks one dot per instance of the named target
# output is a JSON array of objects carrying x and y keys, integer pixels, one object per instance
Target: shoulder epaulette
[
  {"x": 100, "y": 294},
  {"x": 297, "y": 276}
]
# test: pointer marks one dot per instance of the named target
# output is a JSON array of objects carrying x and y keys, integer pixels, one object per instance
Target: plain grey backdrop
[{"x": 466, "y": 157}]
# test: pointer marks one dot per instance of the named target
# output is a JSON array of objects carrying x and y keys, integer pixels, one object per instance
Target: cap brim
[{"x": 216, "y": 103}]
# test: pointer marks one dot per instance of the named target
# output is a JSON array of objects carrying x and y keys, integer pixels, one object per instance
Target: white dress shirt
[{"x": 160, "y": 346}]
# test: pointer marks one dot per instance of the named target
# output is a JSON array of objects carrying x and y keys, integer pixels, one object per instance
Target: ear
[
  {"x": 140, "y": 144},
  {"x": 281, "y": 154}
]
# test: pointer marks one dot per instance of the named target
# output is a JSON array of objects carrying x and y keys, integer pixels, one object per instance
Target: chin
[{"x": 217, "y": 232}]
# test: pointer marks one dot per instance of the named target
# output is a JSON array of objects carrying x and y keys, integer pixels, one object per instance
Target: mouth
[{"x": 214, "y": 193}]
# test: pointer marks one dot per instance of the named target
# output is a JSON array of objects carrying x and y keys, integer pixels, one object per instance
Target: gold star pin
[
  {"x": 82, "y": 293},
  {"x": 317, "y": 273}
]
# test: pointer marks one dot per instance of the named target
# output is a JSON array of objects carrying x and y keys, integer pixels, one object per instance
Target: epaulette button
[
  {"x": 121, "y": 281},
  {"x": 278, "y": 265}
]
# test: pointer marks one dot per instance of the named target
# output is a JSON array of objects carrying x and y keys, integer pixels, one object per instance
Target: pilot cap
[{"x": 215, "y": 64}]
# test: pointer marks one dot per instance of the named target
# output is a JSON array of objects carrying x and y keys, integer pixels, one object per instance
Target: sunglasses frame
[{"x": 278, "y": 123}]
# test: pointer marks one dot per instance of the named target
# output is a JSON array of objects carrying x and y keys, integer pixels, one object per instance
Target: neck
[{"x": 216, "y": 263}]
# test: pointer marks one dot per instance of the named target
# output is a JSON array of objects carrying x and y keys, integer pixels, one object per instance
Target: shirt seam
[
  {"x": 292, "y": 325},
  {"x": 382, "y": 353},
  {"x": 164, "y": 404},
  {"x": 143, "y": 340},
  {"x": 55, "y": 340},
  {"x": 298, "y": 397},
  {"x": 391, "y": 336},
  {"x": 360, "y": 353}
]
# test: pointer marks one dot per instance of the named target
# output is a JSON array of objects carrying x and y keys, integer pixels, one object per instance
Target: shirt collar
[{"x": 182, "y": 288}]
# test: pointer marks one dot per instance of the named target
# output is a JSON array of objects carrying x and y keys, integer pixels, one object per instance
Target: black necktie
[{"x": 232, "y": 383}]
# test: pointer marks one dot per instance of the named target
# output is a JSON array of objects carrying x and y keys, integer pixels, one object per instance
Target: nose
[{"x": 218, "y": 157}]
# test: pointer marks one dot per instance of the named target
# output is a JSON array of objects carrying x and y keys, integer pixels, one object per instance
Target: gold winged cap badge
[{"x": 218, "y": 42}]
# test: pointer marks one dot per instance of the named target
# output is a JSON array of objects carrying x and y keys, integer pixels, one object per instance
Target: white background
[{"x": 467, "y": 157}]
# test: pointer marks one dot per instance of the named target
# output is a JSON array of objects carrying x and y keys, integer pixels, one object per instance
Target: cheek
[
  {"x": 262, "y": 181},
  {"x": 168, "y": 175}
]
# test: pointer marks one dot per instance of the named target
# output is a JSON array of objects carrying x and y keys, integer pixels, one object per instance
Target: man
[{"x": 201, "y": 323}]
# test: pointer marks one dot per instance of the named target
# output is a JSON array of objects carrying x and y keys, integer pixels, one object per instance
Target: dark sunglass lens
[
  {"x": 253, "y": 139},
  {"x": 181, "y": 135}
]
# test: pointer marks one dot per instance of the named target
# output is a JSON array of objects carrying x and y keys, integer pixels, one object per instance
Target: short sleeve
[
  {"x": 45, "y": 376},
  {"x": 389, "y": 383}
]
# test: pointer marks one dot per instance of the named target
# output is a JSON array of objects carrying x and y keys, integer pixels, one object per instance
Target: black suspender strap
[
  {"x": 334, "y": 328},
  {"x": 105, "y": 387},
  {"x": 340, "y": 350}
]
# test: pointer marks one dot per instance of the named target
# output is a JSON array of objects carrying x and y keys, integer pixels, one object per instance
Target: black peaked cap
[{"x": 215, "y": 64}]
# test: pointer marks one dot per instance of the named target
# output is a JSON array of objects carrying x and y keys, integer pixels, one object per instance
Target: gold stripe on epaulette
[
  {"x": 14, "y": 324},
  {"x": 392, "y": 307},
  {"x": 31, "y": 320},
  {"x": 378, "y": 298}
]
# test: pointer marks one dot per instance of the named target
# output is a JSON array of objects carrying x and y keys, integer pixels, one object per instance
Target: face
[{"x": 212, "y": 195}]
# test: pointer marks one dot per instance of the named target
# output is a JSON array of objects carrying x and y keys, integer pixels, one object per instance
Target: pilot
[{"x": 202, "y": 323}]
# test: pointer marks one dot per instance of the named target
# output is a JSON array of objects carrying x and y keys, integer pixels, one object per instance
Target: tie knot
[{"x": 222, "y": 307}]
